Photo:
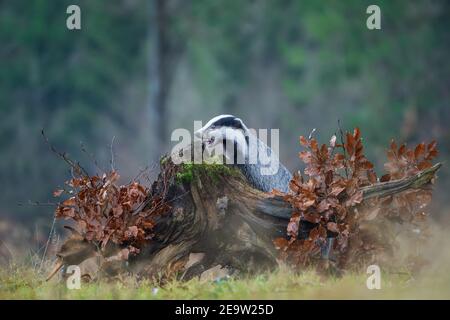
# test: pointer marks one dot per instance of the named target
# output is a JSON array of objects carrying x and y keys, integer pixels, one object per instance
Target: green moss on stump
[{"x": 190, "y": 171}]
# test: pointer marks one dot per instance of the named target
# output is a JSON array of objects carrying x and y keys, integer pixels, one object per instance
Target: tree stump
[{"x": 217, "y": 220}]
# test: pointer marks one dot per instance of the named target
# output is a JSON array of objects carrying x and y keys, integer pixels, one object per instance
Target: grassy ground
[{"x": 22, "y": 283}]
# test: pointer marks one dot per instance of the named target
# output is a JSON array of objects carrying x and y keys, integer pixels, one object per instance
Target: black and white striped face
[
  {"x": 224, "y": 131},
  {"x": 224, "y": 120}
]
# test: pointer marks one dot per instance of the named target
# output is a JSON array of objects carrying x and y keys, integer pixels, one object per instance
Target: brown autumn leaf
[
  {"x": 424, "y": 165},
  {"x": 292, "y": 228},
  {"x": 311, "y": 217},
  {"x": 420, "y": 150},
  {"x": 372, "y": 176},
  {"x": 332, "y": 226},
  {"x": 281, "y": 243},
  {"x": 356, "y": 198},
  {"x": 323, "y": 206},
  {"x": 69, "y": 202}
]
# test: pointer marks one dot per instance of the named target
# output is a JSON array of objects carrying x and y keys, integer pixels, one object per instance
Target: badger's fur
[{"x": 231, "y": 131}]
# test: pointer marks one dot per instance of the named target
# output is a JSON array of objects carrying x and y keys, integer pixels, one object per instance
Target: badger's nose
[{"x": 198, "y": 134}]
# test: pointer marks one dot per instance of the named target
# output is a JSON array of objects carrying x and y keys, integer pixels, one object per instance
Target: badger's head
[{"x": 225, "y": 135}]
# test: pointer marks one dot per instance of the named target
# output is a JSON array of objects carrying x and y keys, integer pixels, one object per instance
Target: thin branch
[
  {"x": 112, "y": 153},
  {"x": 91, "y": 156},
  {"x": 48, "y": 242},
  {"x": 417, "y": 181},
  {"x": 311, "y": 133},
  {"x": 75, "y": 165},
  {"x": 140, "y": 173},
  {"x": 341, "y": 133},
  {"x": 38, "y": 204}
]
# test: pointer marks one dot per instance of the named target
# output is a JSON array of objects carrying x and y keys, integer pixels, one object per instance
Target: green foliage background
[{"x": 289, "y": 64}]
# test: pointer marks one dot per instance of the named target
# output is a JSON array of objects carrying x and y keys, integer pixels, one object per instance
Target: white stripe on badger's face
[{"x": 215, "y": 120}]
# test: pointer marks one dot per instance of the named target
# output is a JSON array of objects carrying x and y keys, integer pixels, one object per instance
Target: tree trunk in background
[
  {"x": 164, "y": 53},
  {"x": 163, "y": 57},
  {"x": 159, "y": 79}
]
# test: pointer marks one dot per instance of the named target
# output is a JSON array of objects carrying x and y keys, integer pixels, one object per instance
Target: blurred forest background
[{"x": 140, "y": 68}]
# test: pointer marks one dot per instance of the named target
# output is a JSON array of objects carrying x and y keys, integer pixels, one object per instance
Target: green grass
[
  {"x": 21, "y": 281},
  {"x": 24, "y": 283}
]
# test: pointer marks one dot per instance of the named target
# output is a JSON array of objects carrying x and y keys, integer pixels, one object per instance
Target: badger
[
  {"x": 228, "y": 130},
  {"x": 242, "y": 149}
]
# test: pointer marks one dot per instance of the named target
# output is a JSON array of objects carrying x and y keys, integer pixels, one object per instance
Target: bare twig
[
  {"x": 91, "y": 156},
  {"x": 38, "y": 204},
  {"x": 75, "y": 165},
  {"x": 145, "y": 173},
  {"x": 140, "y": 173},
  {"x": 311, "y": 133},
  {"x": 112, "y": 153},
  {"x": 341, "y": 133},
  {"x": 48, "y": 242}
]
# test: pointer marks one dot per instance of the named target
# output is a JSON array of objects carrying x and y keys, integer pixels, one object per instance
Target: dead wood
[{"x": 218, "y": 214}]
